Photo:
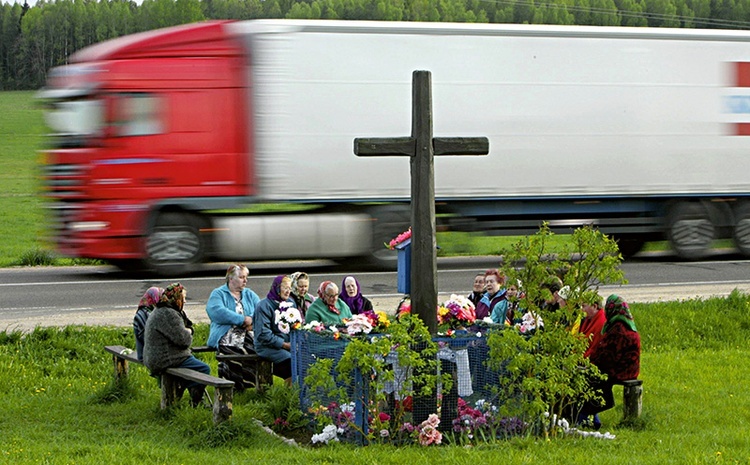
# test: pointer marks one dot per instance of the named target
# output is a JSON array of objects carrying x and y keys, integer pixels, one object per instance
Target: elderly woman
[
  {"x": 271, "y": 342},
  {"x": 168, "y": 336},
  {"x": 351, "y": 295},
  {"x": 230, "y": 308},
  {"x": 617, "y": 355},
  {"x": 328, "y": 308},
  {"x": 300, "y": 286},
  {"x": 145, "y": 307}
]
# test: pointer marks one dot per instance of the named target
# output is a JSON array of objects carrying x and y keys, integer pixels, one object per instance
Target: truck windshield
[{"x": 73, "y": 122}]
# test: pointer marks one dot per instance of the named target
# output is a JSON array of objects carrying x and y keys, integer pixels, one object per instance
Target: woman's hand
[{"x": 248, "y": 324}]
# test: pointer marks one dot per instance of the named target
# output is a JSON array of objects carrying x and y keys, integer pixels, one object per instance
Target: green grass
[
  {"x": 21, "y": 213},
  {"x": 59, "y": 405}
]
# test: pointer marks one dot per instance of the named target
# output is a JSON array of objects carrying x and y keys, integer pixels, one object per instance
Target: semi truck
[{"x": 233, "y": 140}]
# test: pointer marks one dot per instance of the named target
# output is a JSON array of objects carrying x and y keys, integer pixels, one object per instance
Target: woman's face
[
  {"x": 285, "y": 289},
  {"x": 492, "y": 285},
  {"x": 239, "y": 280},
  {"x": 590, "y": 309},
  {"x": 303, "y": 285},
  {"x": 479, "y": 284},
  {"x": 351, "y": 287},
  {"x": 331, "y": 295},
  {"x": 512, "y": 291}
]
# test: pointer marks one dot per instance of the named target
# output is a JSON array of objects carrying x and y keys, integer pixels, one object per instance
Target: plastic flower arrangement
[
  {"x": 529, "y": 323},
  {"x": 456, "y": 312},
  {"x": 358, "y": 324},
  {"x": 428, "y": 432},
  {"x": 399, "y": 239},
  {"x": 379, "y": 320},
  {"x": 288, "y": 317}
]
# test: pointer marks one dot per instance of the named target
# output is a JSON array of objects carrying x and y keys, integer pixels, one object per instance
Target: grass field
[
  {"x": 21, "y": 213},
  {"x": 59, "y": 406}
]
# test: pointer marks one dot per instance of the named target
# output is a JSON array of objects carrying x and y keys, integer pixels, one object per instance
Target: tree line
[{"x": 37, "y": 38}]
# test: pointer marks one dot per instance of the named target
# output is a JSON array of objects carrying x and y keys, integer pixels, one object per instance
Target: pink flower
[{"x": 384, "y": 417}]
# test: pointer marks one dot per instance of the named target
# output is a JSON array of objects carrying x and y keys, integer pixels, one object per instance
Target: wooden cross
[{"x": 421, "y": 147}]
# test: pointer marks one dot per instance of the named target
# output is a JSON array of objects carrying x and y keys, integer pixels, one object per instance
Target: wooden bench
[
  {"x": 261, "y": 367},
  {"x": 223, "y": 388},
  {"x": 632, "y": 399}
]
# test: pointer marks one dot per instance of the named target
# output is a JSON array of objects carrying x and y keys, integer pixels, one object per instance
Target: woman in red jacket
[{"x": 617, "y": 355}]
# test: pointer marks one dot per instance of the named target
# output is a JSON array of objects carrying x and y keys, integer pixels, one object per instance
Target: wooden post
[
  {"x": 421, "y": 148},
  {"x": 632, "y": 399}
]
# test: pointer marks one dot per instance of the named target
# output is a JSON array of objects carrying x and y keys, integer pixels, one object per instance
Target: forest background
[{"x": 35, "y": 38}]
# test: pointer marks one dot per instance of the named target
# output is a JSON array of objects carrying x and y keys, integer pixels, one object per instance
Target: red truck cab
[{"x": 147, "y": 128}]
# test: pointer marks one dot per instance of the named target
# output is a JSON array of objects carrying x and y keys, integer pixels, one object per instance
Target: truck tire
[
  {"x": 741, "y": 231},
  {"x": 690, "y": 230},
  {"x": 174, "y": 245},
  {"x": 388, "y": 222}
]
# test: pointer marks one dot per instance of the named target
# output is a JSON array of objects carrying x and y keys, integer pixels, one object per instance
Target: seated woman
[
  {"x": 617, "y": 355},
  {"x": 271, "y": 342},
  {"x": 495, "y": 294},
  {"x": 504, "y": 312},
  {"x": 300, "y": 285},
  {"x": 328, "y": 308},
  {"x": 351, "y": 295},
  {"x": 230, "y": 308},
  {"x": 167, "y": 340},
  {"x": 145, "y": 307},
  {"x": 477, "y": 290}
]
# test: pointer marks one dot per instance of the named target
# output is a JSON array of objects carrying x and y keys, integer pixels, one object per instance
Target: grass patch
[{"x": 60, "y": 405}]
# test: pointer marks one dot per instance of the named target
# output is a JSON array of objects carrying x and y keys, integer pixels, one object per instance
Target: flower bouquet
[
  {"x": 456, "y": 313},
  {"x": 399, "y": 239},
  {"x": 288, "y": 317},
  {"x": 529, "y": 323},
  {"x": 379, "y": 320}
]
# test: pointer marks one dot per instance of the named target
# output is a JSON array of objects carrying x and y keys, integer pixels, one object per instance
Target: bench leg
[
  {"x": 222, "y": 404},
  {"x": 168, "y": 391},
  {"x": 263, "y": 375},
  {"x": 632, "y": 401},
  {"x": 121, "y": 368}
]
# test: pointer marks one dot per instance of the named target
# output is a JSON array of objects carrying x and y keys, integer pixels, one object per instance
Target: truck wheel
[
  {"x": 174, "y": 245},
  {"x": 690, "y": 230},
  {"x": 741, "y": 234},
  {"x": 388, "y": 222}
]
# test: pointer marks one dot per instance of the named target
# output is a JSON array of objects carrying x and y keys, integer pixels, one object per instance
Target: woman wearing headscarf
[
  {"x": 351, "y": 295},
  {"x": 270, "y": 342},
  {"x": 617, "y": 354},
  {"x": 300, "y": 285},
  {"x": 328, "y": 308},
  {"x": 168, "y": 336},
  {"x": 145, "y": 307}
]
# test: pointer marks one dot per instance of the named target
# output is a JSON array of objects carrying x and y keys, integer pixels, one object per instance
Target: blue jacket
[
  {"x": 268, "y": 337},
  {"x": 221, "y": 311}
]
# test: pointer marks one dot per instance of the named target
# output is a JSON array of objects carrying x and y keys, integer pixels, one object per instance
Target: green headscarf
[{"x": 617, "y": 309}]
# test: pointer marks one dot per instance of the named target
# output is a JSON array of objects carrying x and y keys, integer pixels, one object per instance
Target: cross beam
[{"x": 421, "y": 148}]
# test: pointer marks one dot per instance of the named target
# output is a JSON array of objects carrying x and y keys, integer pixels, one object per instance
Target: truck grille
[{"x": 63, "y": 180}]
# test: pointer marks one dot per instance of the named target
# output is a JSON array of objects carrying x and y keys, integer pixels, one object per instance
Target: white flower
[
  {"x": 287, "y": 317},
  {"x": 358, "y": 324},
  {"x": 328, "y": 434}
]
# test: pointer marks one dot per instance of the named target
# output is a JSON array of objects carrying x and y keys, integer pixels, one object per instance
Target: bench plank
[
  {"x": 261, "y": 367},
  {"x": 223, "y": 390}
]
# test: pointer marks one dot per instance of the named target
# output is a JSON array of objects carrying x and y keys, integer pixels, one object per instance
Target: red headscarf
[{"x": 322, "y": 294}]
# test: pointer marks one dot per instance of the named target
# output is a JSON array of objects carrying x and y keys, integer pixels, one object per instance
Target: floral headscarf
[
  {"x": 616, "y": 309},
  {"x": 151, "y": 298},
  {"x": 172, "y": 296},
  {"x": 356, "y": 303},
  {"x": 295, "y": 277},
  {"x": 322, "y": 293},
  {"x": 274, "y": 294}
]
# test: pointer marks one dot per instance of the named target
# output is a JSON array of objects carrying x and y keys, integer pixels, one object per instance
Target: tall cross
[{"x": 422, "y": 147}]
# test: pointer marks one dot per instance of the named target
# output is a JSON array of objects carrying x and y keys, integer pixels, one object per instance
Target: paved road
[{"x": 100, "y": 295}]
